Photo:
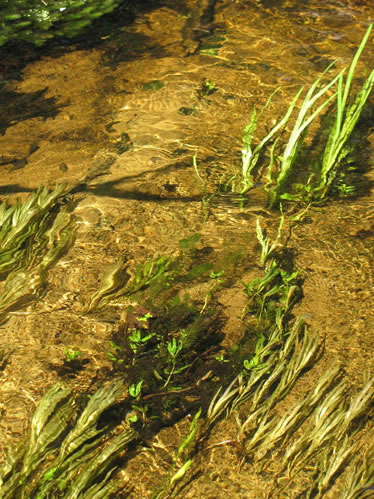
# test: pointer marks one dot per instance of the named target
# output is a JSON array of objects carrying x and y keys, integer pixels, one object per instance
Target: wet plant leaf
[
  {"x": 189, "y": 242},
  {"x": 34, "y": 235},
  {"x": 41, "y": 467}
]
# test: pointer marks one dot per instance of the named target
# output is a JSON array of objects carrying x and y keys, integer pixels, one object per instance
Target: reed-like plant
[
  {"x": 307, "y": 114},
  {"x": 331, "y": 421},
  {"x": 348, "y": 111},
  {"x": 63, "y": 456},
  {"x": 272, "y": 295},
  {"x": 282, "y": 164},
  {"x": 359, "y": 481},
  {"x": 23, "y": 225},
  {"x": 33, "y": 236},
  {"x": 281, "y": 361},
  {"x": 251, "y": 156},
  {"x": 116, "y": 282}
]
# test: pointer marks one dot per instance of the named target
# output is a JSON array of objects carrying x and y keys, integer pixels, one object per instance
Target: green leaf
[{"x": 189, "y": 242}]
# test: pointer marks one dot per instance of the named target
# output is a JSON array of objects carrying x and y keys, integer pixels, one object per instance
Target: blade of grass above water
[
  {"x": 345, "y": 120},
  {"x": 305, "y": 117}
]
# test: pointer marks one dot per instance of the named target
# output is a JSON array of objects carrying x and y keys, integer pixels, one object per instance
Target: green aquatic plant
[
  {"x": 255, "y": 361},
  {"x": 74, "y": 449},
  {"x": 359, "y": 480},
  {"x": 332, "y": 421},
  {"x": 250, "y": 154},
  {"x": 176, "y": 363},
  {"x": 33, "y": 237},
  {"x": 283, "y": 164},
  {"x": 153, "y": 86},
  {"x": 268, "y": 248},
  {"x": 66, "y": 452},
  {"x": 71, "y": 354},
  {"x": 282, "y": 359},
  {"x": 22, "y": 226},
  {"x": 208, "y": 87},
  {"x": 271, "y": 434},
  {"x": 112, "y": 285},
  {"x": 273, "y": 295},
  {"x": 307, "y": 114},
  {"x": 136, "y": 389},
  {"x": 329, "y": 417},
  {"x": 117, "y": 282},
  {"x": 216, "y": 281},
  {"x": 269, "y": 374},
  {"x": 182, "y": 460},
  {"x": 137, "y": 340},
  {"x": 348, "y": 111}
]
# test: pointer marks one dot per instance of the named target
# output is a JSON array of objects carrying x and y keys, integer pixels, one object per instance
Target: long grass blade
[{"x": 345, "y": 121}]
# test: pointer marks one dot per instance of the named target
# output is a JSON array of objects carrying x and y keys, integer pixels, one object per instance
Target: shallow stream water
[{"x": 128, "y": 110}]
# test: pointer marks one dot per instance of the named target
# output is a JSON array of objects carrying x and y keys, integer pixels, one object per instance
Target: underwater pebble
[{"x": 90, "y": 215}]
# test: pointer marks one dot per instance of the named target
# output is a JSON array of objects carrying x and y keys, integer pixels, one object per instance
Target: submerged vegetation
[
  {"x": 283, "y": 160},
  {"x": 167, "y": 361},
  {"x": 33, "y": 236},
  {"x": 76, "y": 444}
]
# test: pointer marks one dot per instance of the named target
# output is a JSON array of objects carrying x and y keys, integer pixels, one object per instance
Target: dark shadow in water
[
  {"x": 124, "y": 46},
  {"x": 129, "y": 46},
  {"x": 361, "y": 156},
  {"x": 18, "y": 106},
  {"x": 109, "y": 188},
  {"x": 13, "y": 189},
  {"x": 15, "y": 55},
  {"x": 106, "y": 32}
]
